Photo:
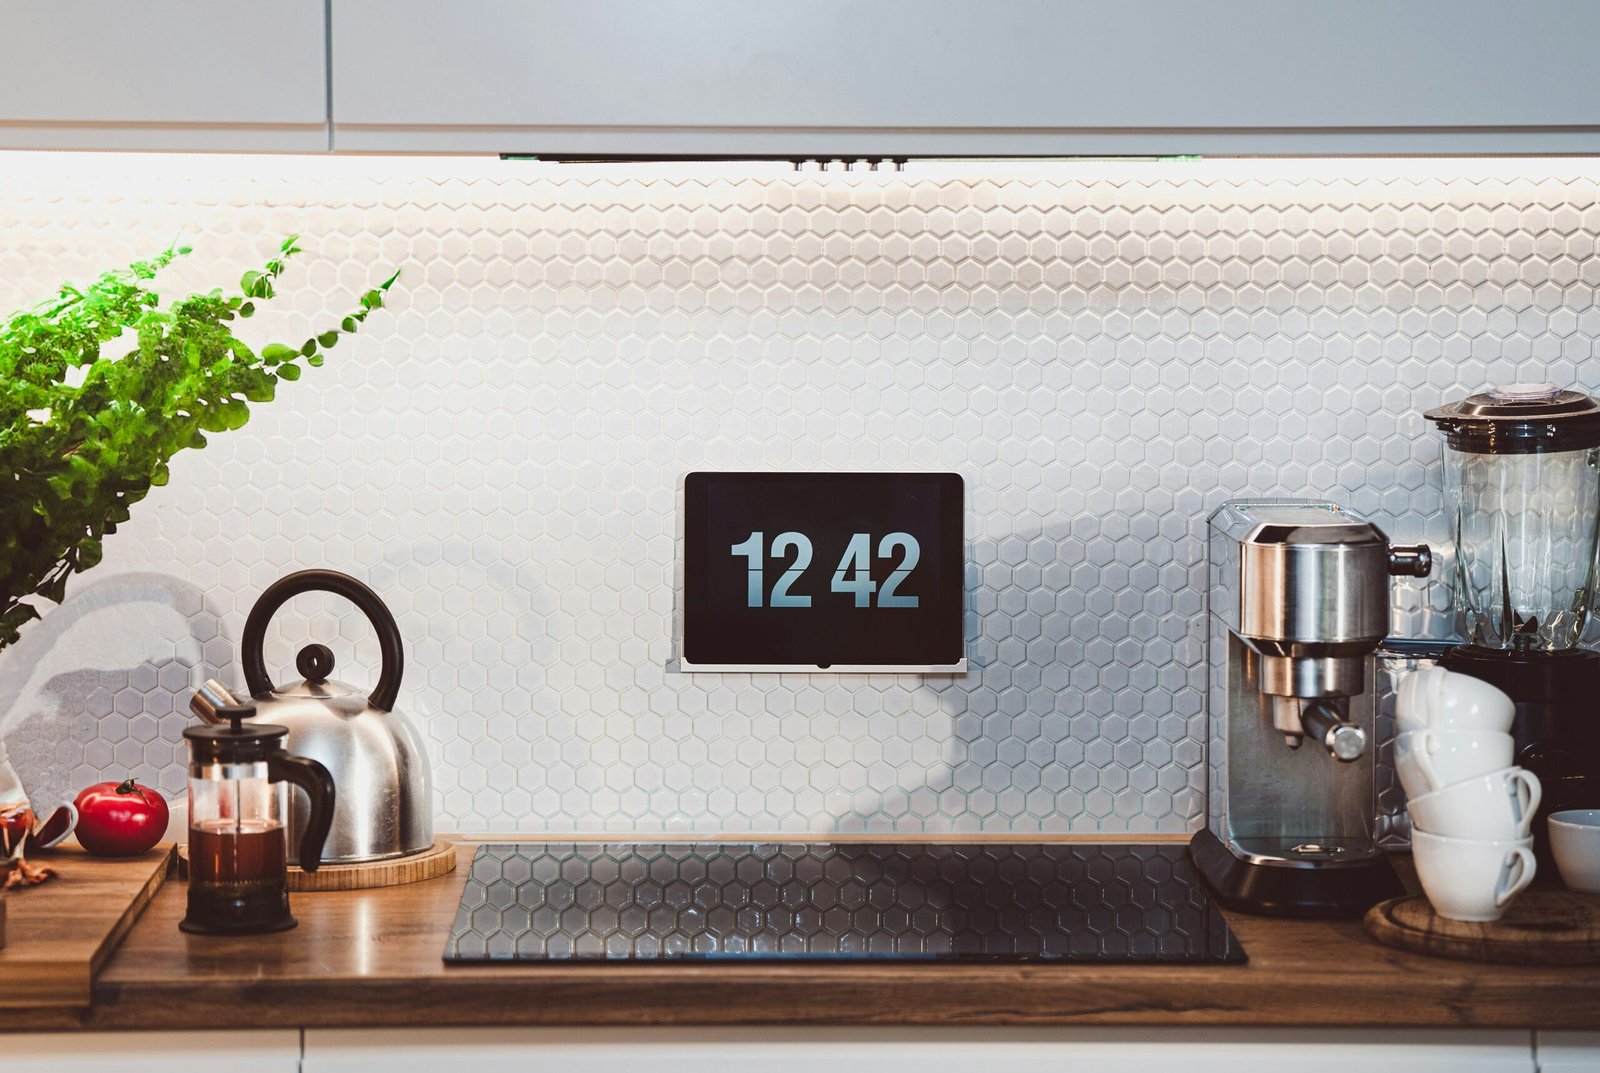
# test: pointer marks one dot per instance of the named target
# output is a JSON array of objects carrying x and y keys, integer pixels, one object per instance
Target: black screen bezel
[{"x": 951, "y": 640}]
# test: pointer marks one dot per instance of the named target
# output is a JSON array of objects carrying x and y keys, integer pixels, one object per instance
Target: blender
[{"x": 1522, "y": 493}]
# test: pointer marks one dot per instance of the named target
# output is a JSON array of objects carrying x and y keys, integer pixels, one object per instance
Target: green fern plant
[{"x": 85, "y": 437}]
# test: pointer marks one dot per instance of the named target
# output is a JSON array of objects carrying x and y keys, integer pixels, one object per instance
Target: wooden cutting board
[
  {"x": 61, "y": 932},
  {"x": 1542, "y": 927}
]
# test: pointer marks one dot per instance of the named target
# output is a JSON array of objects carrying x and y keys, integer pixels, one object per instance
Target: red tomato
[{"x": 120, "y": 819}]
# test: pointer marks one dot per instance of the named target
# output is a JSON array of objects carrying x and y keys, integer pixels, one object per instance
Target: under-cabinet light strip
[{"x": 156, "y": 166}]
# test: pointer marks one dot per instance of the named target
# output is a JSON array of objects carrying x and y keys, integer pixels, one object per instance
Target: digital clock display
[{"x": 819, "y": 571}]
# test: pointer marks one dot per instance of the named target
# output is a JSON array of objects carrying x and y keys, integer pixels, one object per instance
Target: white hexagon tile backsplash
[{"x": 1103, "y": 359}]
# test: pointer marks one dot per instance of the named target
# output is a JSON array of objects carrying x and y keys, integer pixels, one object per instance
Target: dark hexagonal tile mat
[{"x": 670, "y": 901}]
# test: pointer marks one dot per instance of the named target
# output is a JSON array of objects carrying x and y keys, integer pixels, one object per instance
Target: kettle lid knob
[{"x": 315, "y": 663}]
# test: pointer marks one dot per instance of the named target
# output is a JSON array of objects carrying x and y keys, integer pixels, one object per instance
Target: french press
[{"x": 238, "y": 843}]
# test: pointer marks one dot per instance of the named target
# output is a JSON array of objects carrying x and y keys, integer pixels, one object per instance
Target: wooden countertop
[{"x": 374, "y": 958}]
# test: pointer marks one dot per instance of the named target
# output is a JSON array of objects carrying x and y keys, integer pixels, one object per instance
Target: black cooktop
[{"x": 840, "y": 901}]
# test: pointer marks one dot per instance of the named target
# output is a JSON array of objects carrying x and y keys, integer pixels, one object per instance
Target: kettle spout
[{"x": 208, "y": 698}]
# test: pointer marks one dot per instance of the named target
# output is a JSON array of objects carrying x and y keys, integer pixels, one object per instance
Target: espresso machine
[
  {"x": 1522, "y": 494},
  {"x": 1298, "y": 599}
]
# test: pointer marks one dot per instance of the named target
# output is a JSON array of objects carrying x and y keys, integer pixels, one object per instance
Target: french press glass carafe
[{"x": 238, "y": 804}]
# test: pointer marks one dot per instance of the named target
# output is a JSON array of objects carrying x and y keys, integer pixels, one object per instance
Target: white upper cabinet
[
  {"x": 163, "y": 74},
  {"x": 856, "y": 78},
  {"x": 964, "y": 77}
]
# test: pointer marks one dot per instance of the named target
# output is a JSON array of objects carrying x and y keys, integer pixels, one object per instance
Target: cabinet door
[
  {"x": 915, "y": 1050},
  {"x": 163, "y": 74},
  {"x": 964, "y": 77},
  {"x": 1568, "y": 1052},
  {"x": 273, "y": 1051}
]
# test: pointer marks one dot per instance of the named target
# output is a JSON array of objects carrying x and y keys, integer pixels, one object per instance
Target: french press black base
[{"x": 249, "y": 912}]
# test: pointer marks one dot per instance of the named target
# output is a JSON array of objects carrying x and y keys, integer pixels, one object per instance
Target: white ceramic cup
[
  {"x": 1466, "y": 879},
  {"x": 1429, "y": 760},
  {"x": 1497, "y": 806},
  {"x": 1433, "y": 698},
  {"x": 1575, "y": 841}
]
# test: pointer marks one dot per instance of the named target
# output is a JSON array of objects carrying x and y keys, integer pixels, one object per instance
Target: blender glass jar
[{"x": 1522, "y": 490}]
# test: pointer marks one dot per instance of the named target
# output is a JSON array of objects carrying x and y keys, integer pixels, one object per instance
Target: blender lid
[{"x": 1515, "y": 419}]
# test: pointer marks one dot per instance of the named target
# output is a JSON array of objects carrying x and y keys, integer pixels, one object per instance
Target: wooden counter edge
[{"x": 665, "y": 999}]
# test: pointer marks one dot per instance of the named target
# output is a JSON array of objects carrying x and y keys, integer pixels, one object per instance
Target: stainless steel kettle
[{"x": 375, "y": 755}]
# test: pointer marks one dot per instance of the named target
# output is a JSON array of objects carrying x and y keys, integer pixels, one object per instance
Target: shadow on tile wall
[
  {"x": 100, "y": 687},
  {"x": 498, "y": 454}
]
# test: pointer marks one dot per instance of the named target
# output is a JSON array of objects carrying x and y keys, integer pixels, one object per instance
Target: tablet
[{"x": 823, "y": 572}]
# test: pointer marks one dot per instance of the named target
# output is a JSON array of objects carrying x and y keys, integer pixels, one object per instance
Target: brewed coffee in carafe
[{"x": 238, "y": 852}]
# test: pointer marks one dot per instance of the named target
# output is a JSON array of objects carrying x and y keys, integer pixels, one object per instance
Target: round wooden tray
[
  {"x": 439, "y": 859},
  {"x": 1542, "y": 927}
]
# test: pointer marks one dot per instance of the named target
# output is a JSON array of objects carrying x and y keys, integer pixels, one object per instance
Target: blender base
[
  {"x": 1343, "y": 890},
  {"x": 1556, "y": 729}
]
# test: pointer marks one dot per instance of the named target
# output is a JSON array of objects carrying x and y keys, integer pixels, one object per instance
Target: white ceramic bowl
[{"x": 1575, "y": 840}]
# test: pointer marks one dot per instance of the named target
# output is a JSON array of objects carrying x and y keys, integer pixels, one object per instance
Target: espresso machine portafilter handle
[{"x": 1324, "y": 722}]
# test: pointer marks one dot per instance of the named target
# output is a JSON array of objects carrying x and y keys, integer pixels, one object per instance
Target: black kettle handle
[
  {"x": 279, "y": 592},
  {"x": 314, "y": 779}
]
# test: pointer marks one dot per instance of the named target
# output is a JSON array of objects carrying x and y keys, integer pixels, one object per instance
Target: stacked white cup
[{"x": 1471, "y": 808}]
